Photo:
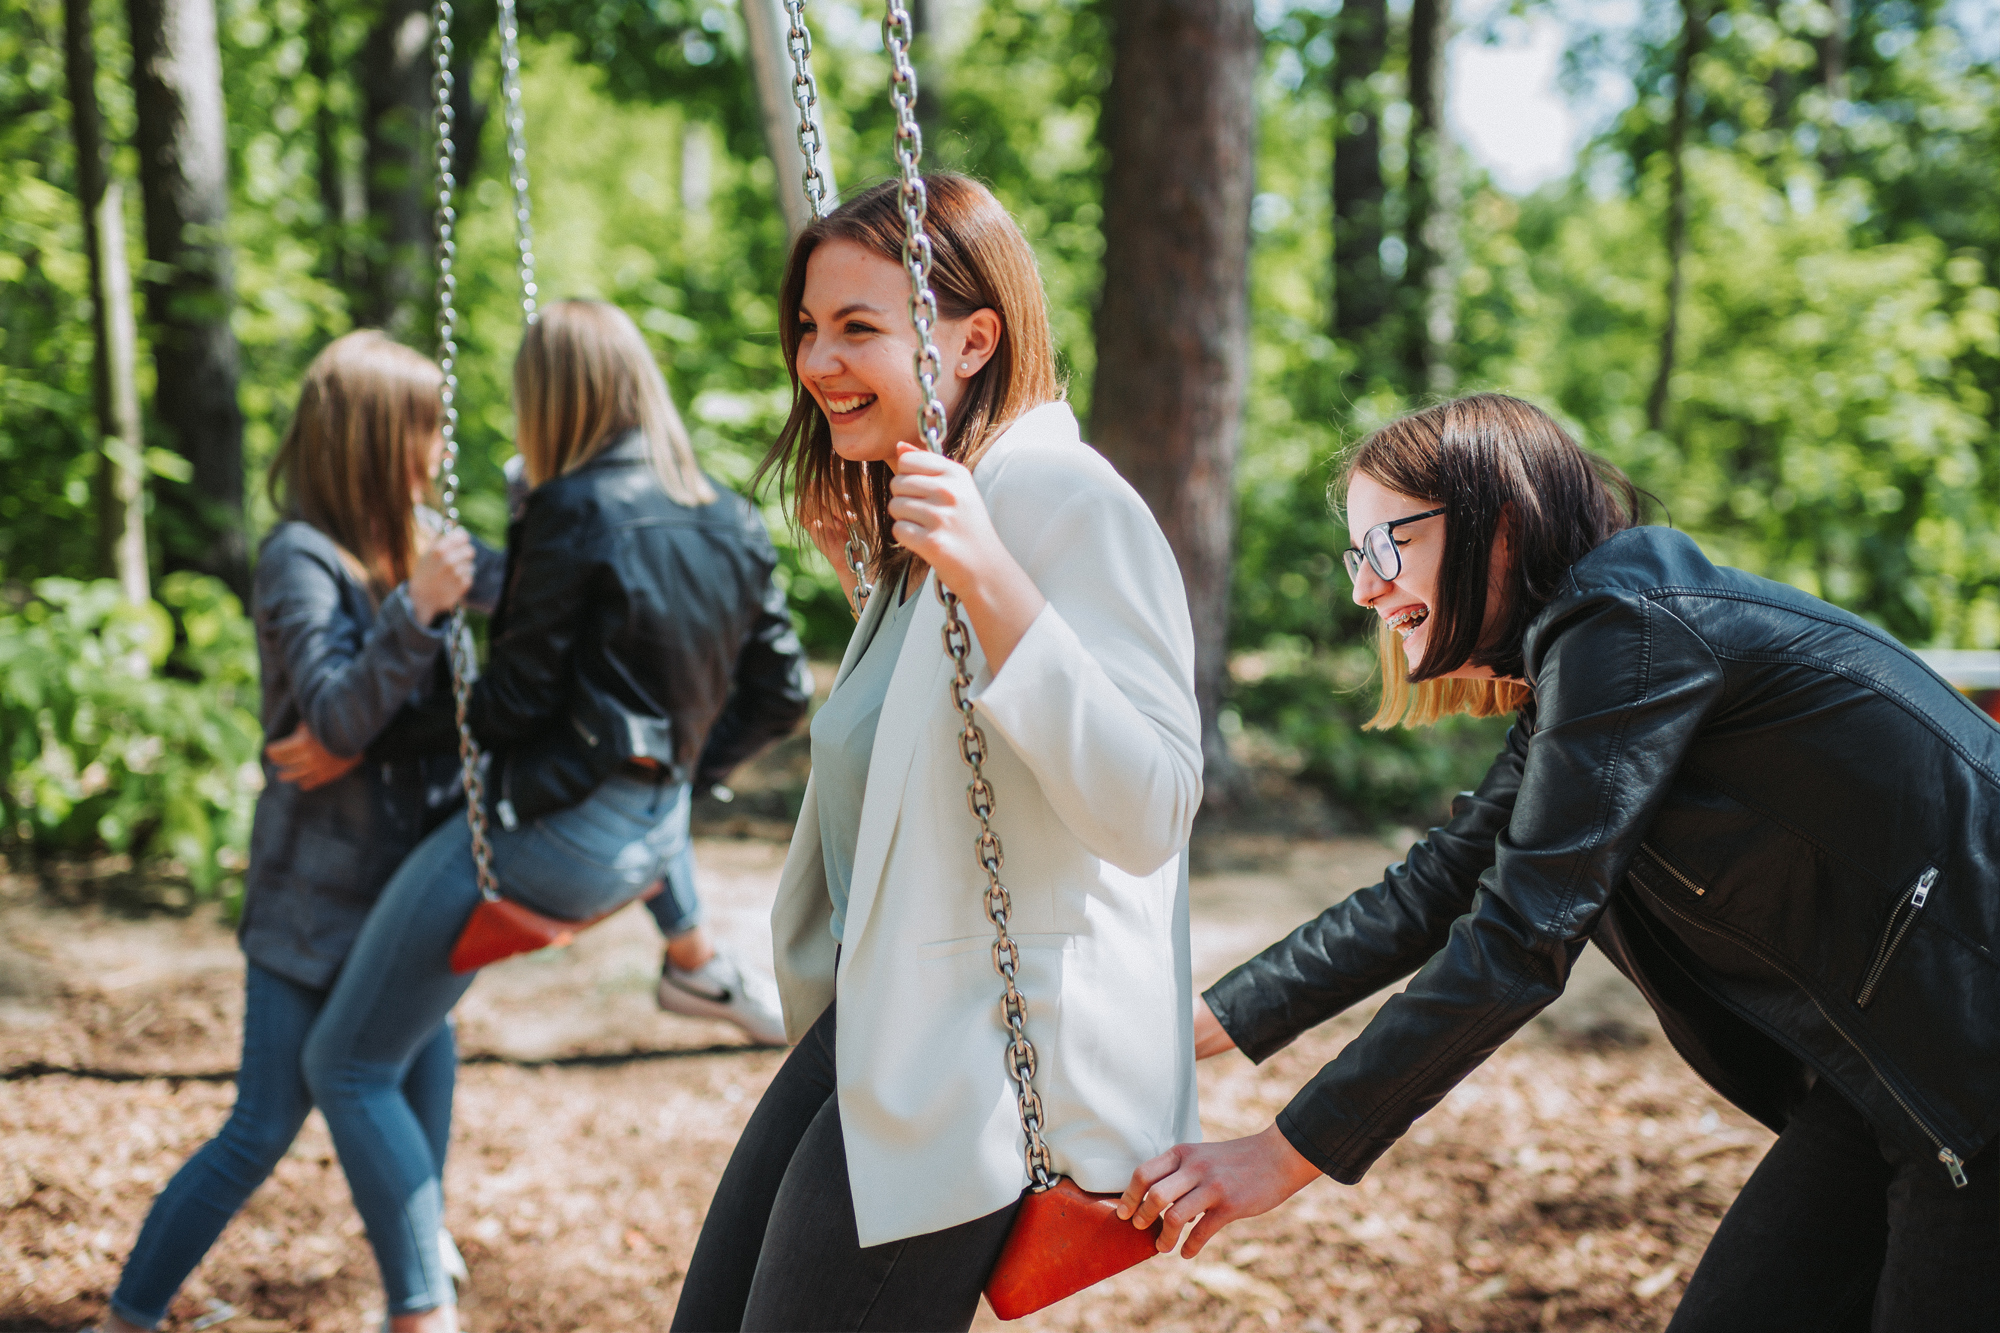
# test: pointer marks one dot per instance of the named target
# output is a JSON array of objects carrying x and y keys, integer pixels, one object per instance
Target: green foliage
[
  {"x": 1832, "y": 420},
  {"x": 131, "y": 727}
]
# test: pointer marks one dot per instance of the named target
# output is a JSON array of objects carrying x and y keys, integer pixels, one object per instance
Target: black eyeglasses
[{"x": 1378, "y": 548}]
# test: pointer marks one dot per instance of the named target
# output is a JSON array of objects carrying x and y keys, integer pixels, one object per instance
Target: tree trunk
[
  {"x": 1362, "y": 294},
  {"x": 320, "y": 65},
  {"x": 183, "y": 172},
  {"x": 1427, "y": 326},
  {"x": 121, "y": 514},
  {"x": 400, "y": 158},
  {"x": 1677, "y": 210},
  {"x": 930, "y": 77},
  {"x": 1173, "y": 327}
]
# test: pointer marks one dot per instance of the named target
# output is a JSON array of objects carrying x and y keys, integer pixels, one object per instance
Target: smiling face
[
  {"x": 1408, "y": 603},
  {"x": 857, "y": 348}
]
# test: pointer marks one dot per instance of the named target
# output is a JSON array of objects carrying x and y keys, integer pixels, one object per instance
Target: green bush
[{"x": 131, "y": 728}]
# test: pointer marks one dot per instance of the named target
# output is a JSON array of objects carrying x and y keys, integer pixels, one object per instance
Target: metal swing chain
[
  {"x": 517, "y": 155},
  {"x": 805, "y": 96},
  {"x": 897, "y": 30},
  {"x": 444, "y": 124}
]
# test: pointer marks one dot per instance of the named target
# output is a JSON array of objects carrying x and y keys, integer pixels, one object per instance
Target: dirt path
[{"x": 1569, "y": 1184}]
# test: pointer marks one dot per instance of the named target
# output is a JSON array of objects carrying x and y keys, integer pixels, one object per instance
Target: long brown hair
[
  {"x": 979, "y": 261},
  {"x": 1481, "y": 457},
  {"x": 583, "y": 378},
  {"x": 355, "y": 450}
]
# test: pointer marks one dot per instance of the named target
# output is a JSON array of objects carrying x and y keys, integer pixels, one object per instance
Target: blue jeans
[
  {"x": 271, "y": 1104},
  {"x": 397, "y": 988}
]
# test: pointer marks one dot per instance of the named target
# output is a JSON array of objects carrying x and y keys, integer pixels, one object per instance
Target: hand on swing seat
[{"x": 302, "y": 761}]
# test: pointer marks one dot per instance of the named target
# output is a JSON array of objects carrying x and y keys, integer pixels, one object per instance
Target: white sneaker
[
  {"x": 454, "y": 1262},
  {"x": 721, "y": 989}
]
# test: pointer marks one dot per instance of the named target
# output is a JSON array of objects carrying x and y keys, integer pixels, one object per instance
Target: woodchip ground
[{"x": 1570, "y": 1184}]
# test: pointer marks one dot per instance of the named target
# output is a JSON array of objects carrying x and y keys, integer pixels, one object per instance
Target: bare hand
[
  {"x": 942, "y": 520},
  {"x": 442, "y": 576},
  {"x": 1219, "y": 1183},
  {"x": 1209, "y": 1036},
  {"x": 305, "y": 763}
]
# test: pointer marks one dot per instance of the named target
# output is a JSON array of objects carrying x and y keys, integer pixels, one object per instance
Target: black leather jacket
[
  {"x": 1776, "y": 820},
  {"x": 632, "y": 627}
]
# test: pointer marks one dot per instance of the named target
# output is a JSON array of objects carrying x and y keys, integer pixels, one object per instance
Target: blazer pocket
[{"x": 970, "y": 943}]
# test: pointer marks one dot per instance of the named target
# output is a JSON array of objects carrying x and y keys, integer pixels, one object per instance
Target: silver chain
[
  {"x": 517, "y": 154},
  {"x": 897, "y": 30},
  {"x": 805, "y": 96},
  {"x": 443, "y": 124}
]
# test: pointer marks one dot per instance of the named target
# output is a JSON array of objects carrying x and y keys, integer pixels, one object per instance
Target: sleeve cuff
[{"x": 399, "y": 617}]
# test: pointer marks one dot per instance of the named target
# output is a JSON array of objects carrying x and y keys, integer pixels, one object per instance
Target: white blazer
[{"x": 1095, "y": 744}]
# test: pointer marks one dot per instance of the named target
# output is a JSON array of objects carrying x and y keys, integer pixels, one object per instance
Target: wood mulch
[{"x": 1570, "y": 1184}]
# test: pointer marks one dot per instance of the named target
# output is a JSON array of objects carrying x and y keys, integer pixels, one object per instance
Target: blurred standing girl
[
  {"x": 640, "y": 639},
  {"x": 348, "y": 595}
]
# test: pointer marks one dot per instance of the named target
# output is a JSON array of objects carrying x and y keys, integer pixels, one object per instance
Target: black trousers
[
  {"x": 1836, "y": 1233},
  {"x": 779, "y": 1250}
]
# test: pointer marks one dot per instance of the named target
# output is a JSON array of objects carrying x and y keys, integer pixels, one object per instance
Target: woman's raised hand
[
  {"x": 442, "y": 576},
  {"x": 941, "y": 519},
  {"x": 1217, "y": 1182}
]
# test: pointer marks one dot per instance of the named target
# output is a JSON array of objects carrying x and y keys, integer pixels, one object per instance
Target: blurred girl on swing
[
  {"x": 350, "y": 589},
  {"x": 640, "y": 640}
]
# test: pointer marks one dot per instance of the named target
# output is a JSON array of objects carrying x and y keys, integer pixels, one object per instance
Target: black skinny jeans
[
  {"x": 779, "y": 1250},
  {"x": 1836, "y": 1233}
]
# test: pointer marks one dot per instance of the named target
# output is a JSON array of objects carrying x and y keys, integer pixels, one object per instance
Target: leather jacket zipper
[
  {"x": 1908, "y": 908},
  {"x": 1668, "y": 866},
  {"x": 1954, "y": 1165}
]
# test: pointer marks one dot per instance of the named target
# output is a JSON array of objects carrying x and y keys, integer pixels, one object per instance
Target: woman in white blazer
[{"x": 876, "y": 1181}]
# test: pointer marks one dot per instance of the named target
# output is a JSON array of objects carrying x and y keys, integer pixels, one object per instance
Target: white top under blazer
[{"x": 1095, "y": 762}]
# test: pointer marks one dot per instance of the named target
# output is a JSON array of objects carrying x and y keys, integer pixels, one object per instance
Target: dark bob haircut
[{"x": 1481, "y": 457}]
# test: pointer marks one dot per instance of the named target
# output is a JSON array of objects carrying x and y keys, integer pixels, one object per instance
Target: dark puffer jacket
[
  {"x": 632, "y": 627},
  {"x": 1775, "y": 819}
]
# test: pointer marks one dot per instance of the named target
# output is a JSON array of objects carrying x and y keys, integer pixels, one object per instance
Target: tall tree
[
  {"x": 1362, "y": 293},
  {"x": 322, "y": 67},
  {"x": 120, "y": 503},
  {"x": 1179, "y": 124},
  {"x": 1692, "y": 25},
  {"x": 183, "y": 173},
  {"x": 400, "y": 162},
  {"x": 1429, "y": 213}
]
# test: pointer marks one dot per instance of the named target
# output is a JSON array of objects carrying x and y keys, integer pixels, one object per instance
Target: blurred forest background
[{"x": 1767, "y": 289}]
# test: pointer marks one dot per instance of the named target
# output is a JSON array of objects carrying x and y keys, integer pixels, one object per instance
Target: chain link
[
  {"x": 463, "y": 669},
  {"x": 805, "y": 96},
  {"x": 897, "y": 30},
  {"x": 517, "y": 154}
]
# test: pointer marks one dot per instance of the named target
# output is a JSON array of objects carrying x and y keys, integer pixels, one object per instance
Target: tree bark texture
[
  {"x": 1362, "y": 294},
  {"x": 1179, "y": 123},
  {"x": 321, "y": 67},
  {"x": 400, "y": 163},
  {"x": 183, "y": 173},
  {"x": 1427, "y": 325},
  {"x": 1692, "y": 23},
  {"x": 120, "y": 503}
]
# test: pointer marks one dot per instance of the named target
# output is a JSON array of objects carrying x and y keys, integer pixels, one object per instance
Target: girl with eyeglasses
[{"x": 1773, "y": 818}]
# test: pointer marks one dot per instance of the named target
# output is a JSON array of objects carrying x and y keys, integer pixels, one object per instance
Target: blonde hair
[
  {"x": 584, "y": 377},
  {"x": 356, "y": 449},
  {"x": 979, "y": 261},
  {"x": 1419, "y": 705}
]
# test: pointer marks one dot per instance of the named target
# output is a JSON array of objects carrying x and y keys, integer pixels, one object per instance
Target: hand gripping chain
[{"x": 896, "y": 33}]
